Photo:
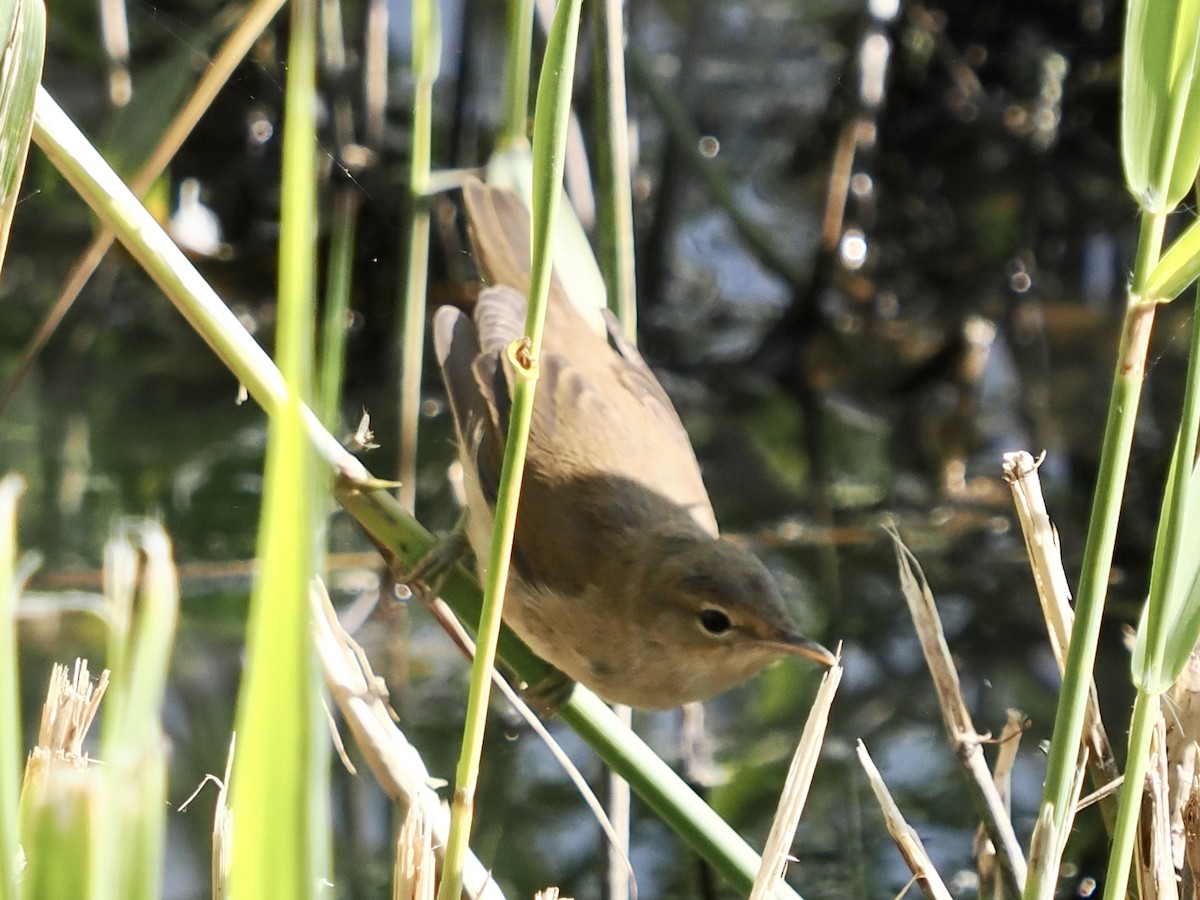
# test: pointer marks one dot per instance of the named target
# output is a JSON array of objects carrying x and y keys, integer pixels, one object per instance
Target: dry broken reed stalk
[
  {"x": 362, "y": 699},
  {"x": 967, "y": 742},
  {"x": 62, "y": 794},
  {"x": 415, "y": 870},
  {"x": 905, "y": 836},
  {"x": 72, "y": 701},
  {"x": 990, "y": 884},
  {"x": 1054, "y": 595},
  {"x": 776, "y": 853},
  {"x": 1153, "y": 868},
  {"x": 222, "y": 844}
]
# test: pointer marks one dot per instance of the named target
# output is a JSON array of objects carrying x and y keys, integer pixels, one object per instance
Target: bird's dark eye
[{"x": 715, "y": 621}]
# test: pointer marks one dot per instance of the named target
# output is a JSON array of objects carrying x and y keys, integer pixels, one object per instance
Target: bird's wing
[
  {"x": 674, "y": 452},
  {"x": 476, "y": 419},
  {"x": 498, "y": 225}
]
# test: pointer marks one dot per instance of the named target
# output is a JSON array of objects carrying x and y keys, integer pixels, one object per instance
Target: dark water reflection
[{"x": 967, "y": 305}]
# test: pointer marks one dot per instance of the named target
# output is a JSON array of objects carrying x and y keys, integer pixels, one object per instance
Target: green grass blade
[
  {"x": 336, "y": 323},
  {"x": 24, "y": 22},
  {"x": 278, "y": 792},
  {"x": 516, "y": 74},
  {"x": 1160, "y": 142},
  {"x": 1178, "y": 268},
  {"x": 63, "y": 806},
  {"x": 1171, "y": 623},
  {"x": 61, "y": 810}
]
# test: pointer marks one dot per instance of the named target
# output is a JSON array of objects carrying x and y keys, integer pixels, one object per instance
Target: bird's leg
[
  {"x": 425, "y": 580},
  {"x": 549, "y": 694},
  {"x": 426, "y": 577}
]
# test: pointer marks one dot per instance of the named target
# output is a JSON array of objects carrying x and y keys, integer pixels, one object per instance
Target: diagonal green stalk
[
  {"x": 549, "y": 142},
  {"x": 248, "y": 30},
  {"x": 1057, "y": 805},
  {"x": 86, "y": 171}
]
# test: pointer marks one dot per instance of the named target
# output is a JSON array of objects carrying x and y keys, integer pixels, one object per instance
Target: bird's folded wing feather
[{"x": 598, "y": 408}]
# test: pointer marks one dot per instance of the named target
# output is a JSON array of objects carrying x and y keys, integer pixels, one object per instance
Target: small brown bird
[{"x": 619, "y": 577}]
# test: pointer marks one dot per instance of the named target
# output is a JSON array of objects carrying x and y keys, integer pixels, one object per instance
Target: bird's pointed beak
[{"x": 798, "y": 645}]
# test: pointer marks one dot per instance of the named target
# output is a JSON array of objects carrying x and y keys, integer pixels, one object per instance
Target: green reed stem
[
  {"x": 515, "y": 125},
  {"x": 616, "y": 246},
  {"x": 1098, "y": 552},
  {"x": 549, "y": 143},
  {"x": 336, "y": 324},
  {"x": 427, "y": 51}
]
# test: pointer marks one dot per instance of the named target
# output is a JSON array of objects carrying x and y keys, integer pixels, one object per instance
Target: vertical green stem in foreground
[
  {"x": 549, "y": 142},
  {"x": 1120, "y": 857},
  {"x": 279, "y": 783},
  {"x": 342, "y": 229},
  {"x": 11, "y": 749},
  {"x": 1101, "y": 536},
  {"x": 1167, "y": 633},
  {"x": 516, "y": 74},
  {"x": 426, "y": 60},
  {"x": 612, "y": 164}
]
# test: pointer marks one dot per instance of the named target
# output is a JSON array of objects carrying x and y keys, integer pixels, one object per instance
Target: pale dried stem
[
  {"x": 1155, "y": 868},
  {"x": 72, "y": 701},
  {"x": 222, "y": 850},
  {"x": 967, "y": 742},
  {"x": 1181, "y": 709},
  {"x": 1054, "y": 595},
  {"x": 395, "y": 763},
  {"x": 985, "y": 850},
  {"x": 795, "y": 789},
  {"x": 1191, "y": 843},
  {"x": 905, "y": 836},
  {"x": 415, "y": 869}
]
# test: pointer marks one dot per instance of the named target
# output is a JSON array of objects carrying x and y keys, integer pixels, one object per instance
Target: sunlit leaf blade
[
  {"x": 1185, "y": 619},
  {"x": 1182, "y": 640},
  {"x": 1137, "y": 661},
  {"x": 1178, "y": 268},
  {"x": 1157, "y": 612},
  {"x": 1160, "y": 143},
  {"x": 23, "y": 23},
  {"x": 280, "y": 825}
]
